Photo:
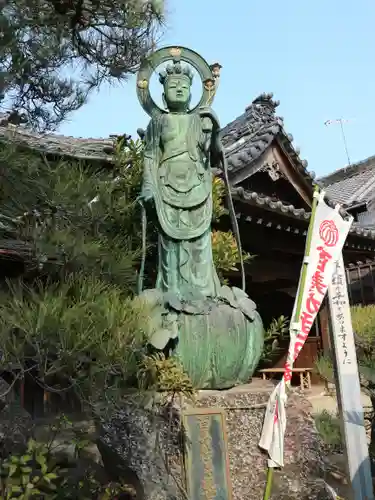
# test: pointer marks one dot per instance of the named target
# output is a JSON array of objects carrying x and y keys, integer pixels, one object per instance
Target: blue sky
[{"x": 318, "y": 58}]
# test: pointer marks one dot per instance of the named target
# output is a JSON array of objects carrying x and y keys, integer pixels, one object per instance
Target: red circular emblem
[{"x": 329, "y": 233}]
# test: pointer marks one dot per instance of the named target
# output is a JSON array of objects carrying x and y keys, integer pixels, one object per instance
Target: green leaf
[
  {"x": 15, "y": 488},
  {"x": 12, "y": 470},
  {"x": 51, "y": 475},
  {"x": 25, "y": 478},
  {"x": 31, "y": 445},
  {"x": 26, "y": 470},
  {"x": 41, "y": 459}
]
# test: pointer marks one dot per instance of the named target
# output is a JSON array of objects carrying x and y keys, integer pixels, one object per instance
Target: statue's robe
[{"x": 180, "y": 180}]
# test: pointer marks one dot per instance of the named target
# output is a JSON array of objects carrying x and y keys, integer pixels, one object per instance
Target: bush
[
  {"x": 74, "y": 219},
  {"x": 324, "y": 368},
  {"x": 275, "y": 333},
  {"x": 363, "y": 320},
  {"x": 82, "y": 335},
  {"x": 329, "y": 430},
  {"x": 70, "y": 322},
  {"x": 57, "y": 468}
]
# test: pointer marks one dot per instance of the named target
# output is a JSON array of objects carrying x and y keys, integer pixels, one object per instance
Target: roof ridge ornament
[
  {"x": 262, "y": 112},
  {"x": 266, "y": 99},
  {"x": 264, "y": 104}
]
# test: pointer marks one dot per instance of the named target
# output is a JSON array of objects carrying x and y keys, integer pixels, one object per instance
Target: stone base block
[{"x": 148, "y": 441}]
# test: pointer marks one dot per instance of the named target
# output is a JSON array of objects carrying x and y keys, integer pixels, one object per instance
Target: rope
[{"x": 233, "y": 217}]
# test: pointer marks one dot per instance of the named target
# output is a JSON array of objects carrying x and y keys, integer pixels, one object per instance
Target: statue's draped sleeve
[
  {"x": 151, "y": 155},
  {"x": 212, "y": 140}
]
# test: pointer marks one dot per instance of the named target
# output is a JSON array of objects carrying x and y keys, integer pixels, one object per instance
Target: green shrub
[
  {"x": 70, "y": 321},
  {"x": 275, "y": 333},
  {"x": 29, "y": 475},
  {"x": 328, "y": 427},
  {"x": 161, "y": 374},
  {"x": 324, "y": 368},
  {"x": 46, "y": 471},
  {"x": 363, "y": 320},
  {"x": 82, "y": 335}
]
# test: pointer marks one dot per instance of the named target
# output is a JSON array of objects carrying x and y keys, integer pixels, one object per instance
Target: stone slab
[{"x": 206, "y": 456}]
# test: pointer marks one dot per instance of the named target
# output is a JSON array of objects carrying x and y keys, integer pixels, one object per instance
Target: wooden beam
[
  {"x": 248, "y": 171},
  {"x": 290, "y": 173}
]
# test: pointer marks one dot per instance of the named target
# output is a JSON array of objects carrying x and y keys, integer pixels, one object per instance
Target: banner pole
[{"x": 302, "y": 282}]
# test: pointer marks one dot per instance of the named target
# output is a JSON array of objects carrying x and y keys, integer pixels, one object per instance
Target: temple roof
[
  {"x": 245, "y": 140},
  {"x": 266, "y": 202},
  {"x": 352, "y": 185},
  {"x": 247, "y": 137},
  {"x": 59, "y": 145}
]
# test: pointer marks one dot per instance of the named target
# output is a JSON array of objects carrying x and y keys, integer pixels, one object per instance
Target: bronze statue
[{"x": 215, "y": 330}]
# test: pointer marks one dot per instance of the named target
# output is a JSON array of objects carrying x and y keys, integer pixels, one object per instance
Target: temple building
[
  {"x": 354, "y": 187},
  {"x": 272, "y": 191}
]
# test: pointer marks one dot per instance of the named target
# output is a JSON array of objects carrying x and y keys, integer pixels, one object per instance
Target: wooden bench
[{"x": 304, "y": 375}]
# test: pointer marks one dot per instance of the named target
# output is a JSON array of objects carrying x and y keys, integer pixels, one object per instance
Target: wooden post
[{"x": 348, "y": 387}]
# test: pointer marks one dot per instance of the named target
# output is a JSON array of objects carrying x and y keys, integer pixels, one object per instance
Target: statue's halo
[{"x": 151, "y": 63}]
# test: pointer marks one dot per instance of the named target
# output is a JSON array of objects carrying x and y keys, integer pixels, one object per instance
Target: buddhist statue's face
[{"x": 177, "y": 93}]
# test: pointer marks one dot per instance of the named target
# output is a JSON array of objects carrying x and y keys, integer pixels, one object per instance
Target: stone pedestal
[
  {"x": 245, "y": 407},
  {"x": 144, "y": 437}
]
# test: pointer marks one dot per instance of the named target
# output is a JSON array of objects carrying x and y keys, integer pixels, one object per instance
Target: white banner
[
  {"x": 328, "y": 235},
  {"x": 348, "y": 386}
]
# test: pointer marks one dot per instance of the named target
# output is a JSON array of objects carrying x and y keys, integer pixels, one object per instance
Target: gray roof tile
[
  {"x": 247, "y": 137},
  {"x": 352, "y": 190},
  {"x": 259, "y": 115},
  {"x": 352, "y": 185},
  {"x": 274, "y": 205},
  {"x": 60, "y": 145}
]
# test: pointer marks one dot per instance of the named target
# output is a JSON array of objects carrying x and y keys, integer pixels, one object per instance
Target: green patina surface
[
  {"x": 206, "y": 456},
  {"x": 215, "y": 330}
]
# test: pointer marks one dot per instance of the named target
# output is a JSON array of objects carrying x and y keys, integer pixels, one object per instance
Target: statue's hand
[
  {"x": 146, "y": 194},
  {"x": 207, "y": 111}
]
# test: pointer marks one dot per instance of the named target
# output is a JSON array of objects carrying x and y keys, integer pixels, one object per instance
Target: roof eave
[{"x": 300, "y": 214}]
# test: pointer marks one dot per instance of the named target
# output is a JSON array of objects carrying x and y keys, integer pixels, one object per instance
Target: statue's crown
[{"x": 176, "y": 69}]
